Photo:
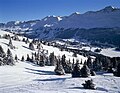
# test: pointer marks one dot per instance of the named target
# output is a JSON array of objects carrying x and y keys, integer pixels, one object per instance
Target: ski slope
[{"x": 26, "y": 77}]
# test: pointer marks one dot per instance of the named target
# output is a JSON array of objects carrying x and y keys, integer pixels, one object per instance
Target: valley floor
[{"x": 26, "y": 77}]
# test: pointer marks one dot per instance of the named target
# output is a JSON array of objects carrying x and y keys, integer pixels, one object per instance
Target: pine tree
[
  {"x": 2, "y": 53},
  {"x": 59, "y": 68},
  {"x": 117, "y": 72},
  {"x": 106, "y": 63},
  {"x": 81, "y": 62},
  {"x": 63, "y": 60},
  {"x": 28, "y": 58},
  {"x": 92, "y": 73},
  {"x": 68, "y": 67},
  {"x": 85, "y": 71},
  {"x": 33, "y": 59},
  {"x": 22, "y": 59},
  {"x": 27, "y": 41},
  {"x": 73, "y": 63},
  {"x": 97, "y": 65},
  {"x": 42, "y": 63},
  {"x": 74, "y": 54},
  {"x": 23, "y": 39},
  {"x": 10, "y": 44},
  {"x": 76, "y": 70},
  {"x": 31, "y": 46},
  {"x": 8, "y": 60},
  {"x": 89, "y": 63},
  {"x": 52, "y": 59},
  {"x": 89, "y": 84},
  {"x": 16, "y": 58}
]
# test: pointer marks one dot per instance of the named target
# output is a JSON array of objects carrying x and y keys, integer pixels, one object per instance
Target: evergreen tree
[
  {"x": 92, "y": 73},
  {"x": 27, "y": 41},
  {"x": 63, "y": 60},
  {"x": 52, "y": 59},
  {"x": 23, "y": 39},
  {"x": 22, "y": 59},
  {"x": 97, "y": 65},
  {"x": 117, "y": 72},
  {"x": 59, "y": 68},
  {"x": 8, "y": 60},
  {"x": 73, "y": 63},
  {"x": 89, "y": 84},
  {"x": 68, "y": 67},
  {"x": 85, "y": 71},
  {"x": 74, "y": 54},
  {"x": 31, "y": 46},
  {"x": 81, "y": 62},
  {"x": 16, "y": 58},
  {"x": 10, "y": 44},
  {"x": 2, "y": 53},
  {"x": 42, "y": 63},
  {"x": 89, "y": 63},
  {"x": 28, "y": 58},
  {"x": 33, "y": 59},
  {"x": 76, "y": 70},
  {"x": 114, "y": 62}
]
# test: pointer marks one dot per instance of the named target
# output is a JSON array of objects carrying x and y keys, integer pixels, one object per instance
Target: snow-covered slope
[
  {"x": 22, "y": 46},
  {"x": 26, "y": 77}
]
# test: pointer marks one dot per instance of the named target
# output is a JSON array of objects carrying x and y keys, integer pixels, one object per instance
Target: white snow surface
[{"x": 25, "y": 77}]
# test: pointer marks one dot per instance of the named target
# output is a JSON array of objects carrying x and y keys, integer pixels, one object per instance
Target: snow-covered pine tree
[
  {"x": 92, "y": 73},
  {"x": 59, "y": 68},
  {"x": 22, "y": 59},
  {"x": 27, "y": 41},
  {"x": 85, "y": 71},
  {"x": 41, "y": 61},
  {"x": 68, "y": 67},
  {"x": 10, "y": 44},
  {"x": 89, "y": 84},
  {"x": 63, "y": 60},
  {"x": 28, "y": 58},
  {"x": 106, "y": 63},
  {"x": 73, "y": 63},
  {"x": 2, "y": 55},
  {"x": 16, "y": 58},
  {"x": 9, "y": 58},
  {"x": 52, "y": 59},
  {"x": 89, "y": 63},
  {"x": 117, "y": 72},
  {"x": 97, "y": 65},
  {"x": 31, "y": 46},
  {"x": 76, "y": 70}
]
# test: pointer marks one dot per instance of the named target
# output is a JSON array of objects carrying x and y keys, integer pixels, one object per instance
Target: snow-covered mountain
[
  {"x": 104, "y": 18},
  {"x": 107, "y": 17},
  {"x": 52, "y": 27}
]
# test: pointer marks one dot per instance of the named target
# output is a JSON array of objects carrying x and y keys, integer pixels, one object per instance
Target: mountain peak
[
  {"x": 74, "y": 14},
  {"x": 109, "y": 8}
]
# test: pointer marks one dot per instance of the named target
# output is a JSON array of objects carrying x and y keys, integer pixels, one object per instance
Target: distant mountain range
[
  {"x": 104, "y": 18},
  {"x": 101, "y": 26}
]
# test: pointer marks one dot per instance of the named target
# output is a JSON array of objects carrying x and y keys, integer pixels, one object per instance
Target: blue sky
[{"x": 36, "y": 9}]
